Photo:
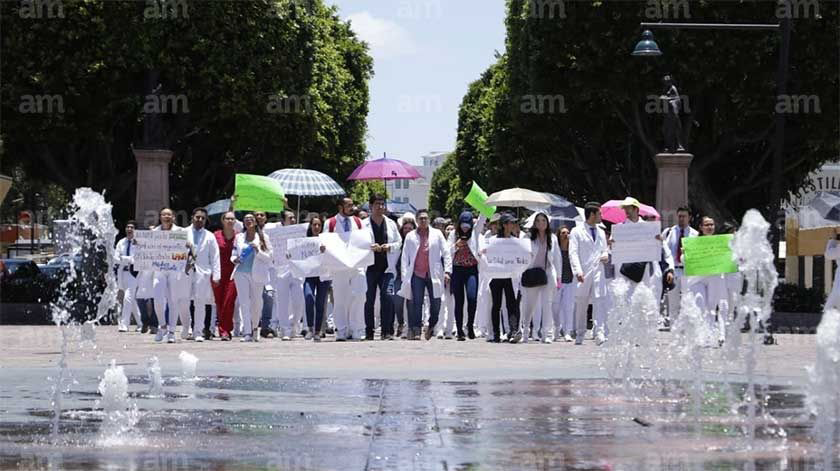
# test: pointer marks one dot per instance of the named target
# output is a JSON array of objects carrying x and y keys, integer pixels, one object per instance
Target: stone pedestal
[
  {"x": 152, "y": 184},
  {"x": 671, "y": 185}
]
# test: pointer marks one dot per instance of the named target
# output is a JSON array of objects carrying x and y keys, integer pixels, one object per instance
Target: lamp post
[{"x": 647, "y": 47}]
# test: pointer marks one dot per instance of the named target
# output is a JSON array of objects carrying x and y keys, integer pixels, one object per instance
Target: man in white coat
[
  {"x": 172, "y": 290},
  {"x": 381, "y": 275},
  {"x": 673, "y": 239},
  {"x": 348, "y": 285},
  {"x": 588, "y": 253},
  {"x": 206, "y": 269},
  {"x": 288, "y": 293},
  {"x": 832, "y": 252},
  {"x": 127, "y": 279},
  {"x": 426, "y": 268}
]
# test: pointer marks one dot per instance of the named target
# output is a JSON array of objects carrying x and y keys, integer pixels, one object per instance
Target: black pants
[
  {"x": 497, "y": 288},
  {"x": 147, "y": 312},
  {"x": 208, "y": 310}
]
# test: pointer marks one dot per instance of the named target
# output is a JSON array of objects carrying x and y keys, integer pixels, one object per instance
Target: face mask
[{"x": 465, "y": 227}]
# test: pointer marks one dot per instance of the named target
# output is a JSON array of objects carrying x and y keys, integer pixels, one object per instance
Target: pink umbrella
[
  {"x": 613, "y": 212},
  {"x": 384, "y": 169}
]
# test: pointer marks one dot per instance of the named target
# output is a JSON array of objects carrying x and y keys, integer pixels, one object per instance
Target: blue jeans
[
  {"x": 267, "y": 307},
  {"x": 315, "y": 297},
  {"x": 418, "y": 288},
  {"x": 385, "y": 282},
  {"x": 465, "y": 279}
]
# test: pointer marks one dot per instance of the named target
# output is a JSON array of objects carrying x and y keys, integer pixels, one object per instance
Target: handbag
[
  {"x": 533, "y": 277},
  {"x": 635, "y": 271}
]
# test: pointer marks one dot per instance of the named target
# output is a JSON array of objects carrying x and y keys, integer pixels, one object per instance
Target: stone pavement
[{"x": 30, "y": 347}]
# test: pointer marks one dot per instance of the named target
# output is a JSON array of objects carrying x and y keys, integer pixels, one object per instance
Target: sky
[{"x": 426, "y": 53}]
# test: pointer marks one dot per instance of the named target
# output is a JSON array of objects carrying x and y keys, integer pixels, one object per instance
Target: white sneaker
[
  {"x": 247, "y": 338},
  {"x": 285, "y": 338},
  {"x": 547, "y": 340},
  {"x": 568, "y": 338},
  {"x": 600, "y": 338},
  {"x": 161, "y": 333},
  {"x": 308, "y": 335},
  {"x": 524, "y": 339},
  {"x": 122, "y": 329},
  {"x": 199, "y": 339},
  {"x": 170, "y": 338}
]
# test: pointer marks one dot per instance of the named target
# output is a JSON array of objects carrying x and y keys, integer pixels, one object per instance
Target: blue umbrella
[{"x": 560, "y": 208}]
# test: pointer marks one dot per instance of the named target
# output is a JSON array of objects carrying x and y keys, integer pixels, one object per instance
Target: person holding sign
[
  {"x": 206, "y": 271},
  {"x": 348, "y": 285},
  {"x": 708, "y": 292},
  {"x": 252, "y": 256},
  {"x": 464, "y": 243},
  {"x": 673, "y": 237},
  {"x": 172, "y": 290},
  {"x": 427, "y": 263},
  {"x": 288, "y": 289},
  {"x": 315, "y": 289},
  {"x": 539, "y": 281},
  {"x": 386, "y": 249},
  {"x": 503, "y": 285},
  {"x": 588, "y": 255}
]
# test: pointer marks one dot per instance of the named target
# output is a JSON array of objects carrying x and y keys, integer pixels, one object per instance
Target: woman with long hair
[
  {"x": 539, "y": 281},
  {"x": 252, "y": 256},
  {"x": 464, "y": 243},
  {"x": 563, "y": 307},
  {"x": 406, "y": 225},
  {"x": 315, "y": 288},
  {"x": 709, "y": 291}
]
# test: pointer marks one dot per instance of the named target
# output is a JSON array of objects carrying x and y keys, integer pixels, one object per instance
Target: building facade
[{"x": 416, "y": 192}]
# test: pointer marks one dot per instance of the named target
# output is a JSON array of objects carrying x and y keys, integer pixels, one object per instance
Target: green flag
[
  {"x": 708, "y": 255},
  {"x": 258, "y": 193},
  {"x": 477, "y": 198}
]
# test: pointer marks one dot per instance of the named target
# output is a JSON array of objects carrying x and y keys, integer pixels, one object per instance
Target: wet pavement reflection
[{"x": 228, "y": 422}]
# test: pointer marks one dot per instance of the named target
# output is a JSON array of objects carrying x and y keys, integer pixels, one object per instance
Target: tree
[
  {"x": 248, "y": 87},
  {"x": 362, "y": 190},
  {"x": 568, "y": 110}
]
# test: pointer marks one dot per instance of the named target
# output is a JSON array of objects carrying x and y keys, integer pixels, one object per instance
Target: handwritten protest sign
[
  {"x": 258, "y": 193},
  {"x": 708, "y": 255},
  {"x": 507, "y": 256},
  {"x": 476, "y": 198},
  {"x": 162, "y": 251},
  {"x": 279, "y": 236},
  {"x": 347, "y": 251},
  {"x": 304, "y": 256},
  {"x": 636, "y": 242}
]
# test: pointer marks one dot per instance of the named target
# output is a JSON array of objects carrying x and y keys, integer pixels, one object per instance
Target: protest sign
[
  {"x": 476, "y": 198},
  {"x": 279, "y": 235},
  {"x": 304, "y": 256},
  {"x": 708, "y": 255},
  {"x": 507, "y": 256},
  {"x": 258, "y": 193},
  {"x": 161, "y": 251},
  {"x": 636, "y": 242},
  {"x": 347, "y": 250}
]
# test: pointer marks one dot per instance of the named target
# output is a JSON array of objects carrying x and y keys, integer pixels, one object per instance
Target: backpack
[{"x": 331, "y": 222}]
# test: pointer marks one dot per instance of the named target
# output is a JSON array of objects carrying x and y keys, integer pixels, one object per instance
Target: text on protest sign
[
  {"x": 160, "y": 251},
  {"x": 708, "y": 255},
  {"x": 304, "y": 256},
  {"x": 636, "y": 242},
  {"x": 279, "y": 235},
  {"x": 508, "y": 255},
  {"x": 347, "y": 251}
]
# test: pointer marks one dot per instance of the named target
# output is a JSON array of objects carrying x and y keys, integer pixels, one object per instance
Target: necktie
[
  {"x": 346, "y": 225},
  {"x": 594, "y": 237},
  {"x": 128, "y": 248},
  {"x": 679, "y": 246}
]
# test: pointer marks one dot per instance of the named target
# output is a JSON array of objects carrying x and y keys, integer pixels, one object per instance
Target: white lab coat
[
  {"x": 125, "y": 280},
  {"x": 394, "y": 242},
  {"x": 832, "y": 252},
  {"x": 671, "y": 236},
  {"x": 207, "y": 266},
  {"x": 262, "y": 260},
  {"x": 440, "y": 261},
  {"x": 585, "y": 257}
]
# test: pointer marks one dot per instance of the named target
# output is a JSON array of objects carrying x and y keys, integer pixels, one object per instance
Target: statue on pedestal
[{"x": 672, "y": 126}]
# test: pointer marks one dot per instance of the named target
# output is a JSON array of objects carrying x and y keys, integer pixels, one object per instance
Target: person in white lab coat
[
  {"x": 206, "y": 270},
  {"x": 709, "y": 292},
  {"x": 426, "y": 268},
  {"x": 349, "y": 286},
  {"x": 387, "y": 243},
  {"x": 537, "y": 299},
  {"x": 171, "y": 289},
  {"x": 289, "y": 303},
  {"x": 127, "y": 279},
  {"x": 252, "y": 256},
  {"x": 588, "y": 253},
  {"x": 832, "y": 252},
  {"x": 673, "y": 239}
]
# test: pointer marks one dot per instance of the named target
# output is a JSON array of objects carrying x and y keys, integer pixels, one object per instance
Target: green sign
[
  {"x": 477, "y": 198},
  {"x": 258, "y": 193},
  {"x": 708, "y": 255}
]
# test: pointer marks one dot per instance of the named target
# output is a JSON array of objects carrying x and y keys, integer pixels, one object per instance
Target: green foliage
[
  {"x": 567, "y": 109},
  {"x": 789, "y": 297},
  {"x": 446, "y": 193},
  {"x": 362, "y": 190},
  {"x": 248, "y": 87}
]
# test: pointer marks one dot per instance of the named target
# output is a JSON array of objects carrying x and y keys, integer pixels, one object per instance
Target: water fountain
[
  {"x": 119, "y": 415},
  {"x": 155, "y": 378},
  {"x": 189, "y": 362},
  {"x": 824, "y": 387}
]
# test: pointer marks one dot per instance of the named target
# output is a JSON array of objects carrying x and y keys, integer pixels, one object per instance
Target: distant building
[{"x": 416, "y": 192}]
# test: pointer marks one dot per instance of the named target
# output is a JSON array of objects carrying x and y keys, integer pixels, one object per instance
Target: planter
[{"x": 795, "y": 322}]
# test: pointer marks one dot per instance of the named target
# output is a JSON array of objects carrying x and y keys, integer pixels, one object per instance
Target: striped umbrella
[{"x": 302, "y": 182}]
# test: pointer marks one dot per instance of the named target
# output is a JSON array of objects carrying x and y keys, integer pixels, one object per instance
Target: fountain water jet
[{"x": 823, "y": 398}]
